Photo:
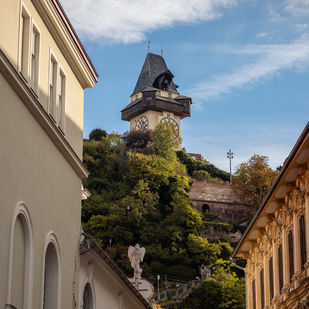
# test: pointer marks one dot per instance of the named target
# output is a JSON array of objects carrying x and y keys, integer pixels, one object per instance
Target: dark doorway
[{"x": 205, "y": 208}]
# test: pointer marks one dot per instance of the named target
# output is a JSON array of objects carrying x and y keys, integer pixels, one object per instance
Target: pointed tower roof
[{"x": 153, "y": 73}]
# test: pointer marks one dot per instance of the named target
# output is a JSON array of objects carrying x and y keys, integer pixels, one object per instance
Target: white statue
[{"x": 136, "y": 255}]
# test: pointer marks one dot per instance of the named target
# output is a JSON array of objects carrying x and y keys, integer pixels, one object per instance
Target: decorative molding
[
  {"x": 280, "y": 202},
  {"x": 39, "y": 113},
  {"x": 302, "y": 169},
  {"x": 290, "y": 186}
]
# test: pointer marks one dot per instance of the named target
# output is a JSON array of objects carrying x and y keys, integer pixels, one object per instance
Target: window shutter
[
  {"x": 253, "y": 295},
  {"x": 271, "y": 279},
  {"x": 262, "y": 288},
  {"x": 302, "y": 235},
  {"x": 291, "y": 256},
  {"x": 280, "y": 264}
]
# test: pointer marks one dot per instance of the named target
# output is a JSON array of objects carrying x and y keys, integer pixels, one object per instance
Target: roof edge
[{"x": 75, "y": 37}]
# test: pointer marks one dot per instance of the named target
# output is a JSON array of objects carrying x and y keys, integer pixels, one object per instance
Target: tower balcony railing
[{"x": 181, "y": 109}]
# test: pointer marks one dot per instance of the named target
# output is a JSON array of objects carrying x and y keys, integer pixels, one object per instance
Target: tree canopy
[
  {"x": 195, "y": 168},
  {"x": 140, "y": 195},
  {"x": 223, "y": 290},
  {"x": 97, "y": 134},
  {"x": 253, "y": 179}
]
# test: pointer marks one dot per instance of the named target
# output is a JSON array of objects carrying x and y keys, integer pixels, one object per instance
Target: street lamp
[
  {"x": 110, "y": 246},
  {"x": 230, "y": 156}
]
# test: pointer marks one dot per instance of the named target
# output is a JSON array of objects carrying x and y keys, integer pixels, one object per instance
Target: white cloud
[
  {"x": 128, "y": 21},
  {"x": 260, "y": 35},
  {"x": 271, "y": 59},
  {"x": 300, "y": 27},
  {"x": 297, "y": 7}
]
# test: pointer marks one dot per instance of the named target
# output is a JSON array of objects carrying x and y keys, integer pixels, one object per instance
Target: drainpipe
[
  {"x": 88, "y": 242},
  {"x": 241, "y": 268}
]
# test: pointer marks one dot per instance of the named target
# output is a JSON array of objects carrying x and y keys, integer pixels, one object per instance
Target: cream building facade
[
  {"x": 43, "y": 73},
  {"x": 276, "y": 243}
]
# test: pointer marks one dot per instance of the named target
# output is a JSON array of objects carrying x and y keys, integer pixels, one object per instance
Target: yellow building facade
[
  {"x": 44, "y": 70},
  {"x": 276, "y": 243}
]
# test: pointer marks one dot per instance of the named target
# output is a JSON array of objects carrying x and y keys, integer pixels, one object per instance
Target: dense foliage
[
  {"x": 223, "y": 290},
  {"x": 252, "y": 180},
  {"x": 193, "y": 166},
  {"x": 139, "y": 195}
]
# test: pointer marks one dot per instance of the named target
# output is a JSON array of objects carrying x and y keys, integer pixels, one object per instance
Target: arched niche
[
  {"x": 88, "y": 302},
  {"x": 20, "y": 261},
  {"x": 51, "y": 274}
]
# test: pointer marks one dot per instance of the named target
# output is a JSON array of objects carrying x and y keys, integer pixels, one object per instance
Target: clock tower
[{"x": 155, "y": 98}]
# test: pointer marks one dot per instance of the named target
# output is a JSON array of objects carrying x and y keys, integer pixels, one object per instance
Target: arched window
[
  {"x": 20, "y": 262},
  {"x": 205, "y": 208},
  {"x": 51, "y": 277},
  {"x": 87, "y": 297}
]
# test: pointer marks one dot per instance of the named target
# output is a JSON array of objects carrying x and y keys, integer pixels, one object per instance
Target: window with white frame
[
  {"x": 24, "y": 43},
  {"x": 61, "y": 100},
  {"x": 34, "y": 61},
  {"x": 57, "y": 87},
  {"x": 52, "y": 87},
  {"x": 29, "y": 50}
]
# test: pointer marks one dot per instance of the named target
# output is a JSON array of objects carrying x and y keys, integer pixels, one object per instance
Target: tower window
[
  {"x": 169, "y": 95},
  {"x": 136, "y": 96},
  {"x": 158, "y": 92}
]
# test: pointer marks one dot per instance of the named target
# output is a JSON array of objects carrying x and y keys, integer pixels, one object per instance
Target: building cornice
[
  {"x": 39, "y": 113},
  {"x": 66, "y": 38}
]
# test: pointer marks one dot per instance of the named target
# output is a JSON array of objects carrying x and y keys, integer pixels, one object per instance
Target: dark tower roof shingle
[{"x": 153, "y": 67}]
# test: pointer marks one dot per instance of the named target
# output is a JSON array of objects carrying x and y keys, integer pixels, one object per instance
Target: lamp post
[
  {"x": 110, "y": 246},
  {"x": 230, "y": 156}
]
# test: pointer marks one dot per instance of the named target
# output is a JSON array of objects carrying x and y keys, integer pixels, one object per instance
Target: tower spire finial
[
  {"x": 162, "y": 50},
  {"x": 148, "y": 46}
]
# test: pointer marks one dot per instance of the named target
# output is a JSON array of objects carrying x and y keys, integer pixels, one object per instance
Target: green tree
[
  {"x": 223, "y": 290},
  {"x": 252, "y": 180},
  {"x": 201, "y": 251},
  {"x": 164, "y": 141},
  {"x": 194, "y": 165},
  {"x": 201, "y": 175},
  {"x": 97, "y": 134}
]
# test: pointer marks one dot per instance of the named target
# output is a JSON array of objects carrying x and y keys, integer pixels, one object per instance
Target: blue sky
[{"x": 244, "y": 63}]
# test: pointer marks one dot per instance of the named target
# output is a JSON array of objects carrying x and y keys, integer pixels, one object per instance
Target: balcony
[{"x": 180, "y": 106}]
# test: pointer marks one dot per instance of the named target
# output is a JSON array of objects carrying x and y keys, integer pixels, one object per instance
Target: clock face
[
  {"x": 170, "y": 120},
  {"x": 142, "y": 123}
]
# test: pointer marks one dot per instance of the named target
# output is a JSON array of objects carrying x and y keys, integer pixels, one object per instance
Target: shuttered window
[
  {"x": 271, "y": 279},
  {"x": 280, "y": 264},
  {"x": 253, "y": 295},
  {"x": 291, "y": 256},
  {"x": 302, "y": 231},
  {"x": 262, "y": 288}
]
